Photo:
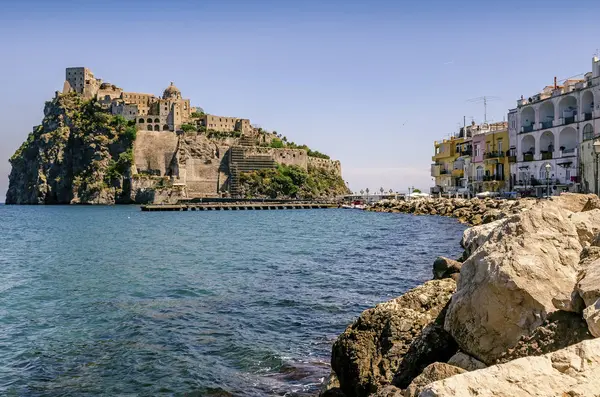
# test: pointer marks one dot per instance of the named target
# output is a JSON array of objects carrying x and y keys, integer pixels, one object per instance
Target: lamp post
[
  {"x": 548, "y": 166},
  {"x": 596, "y": 146}
]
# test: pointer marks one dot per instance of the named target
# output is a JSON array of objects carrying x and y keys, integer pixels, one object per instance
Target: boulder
[
  {"x": 331, "y": 387},
  {"x": 591, "y": 314},
  {"x": 573, "y": 371},
  {"x": 561, "y": 329},
  {"x": 432, "y": 345},
  {"x": 507, "y": 285},
  {"x": 388, "y": 391},
  {"x": 443, "y": 267},
  {"x": 574, "y": 202},
  {"x": 475, "y": 236},
  {"x": 588, "y": 286},
  {"x": 433, "y": 373},
  {"x": 587, "y": 225},
  {"x": 370, "y": 351},
  {"x": 466, "y": 362},
  {"x": 592, "y": 203}
]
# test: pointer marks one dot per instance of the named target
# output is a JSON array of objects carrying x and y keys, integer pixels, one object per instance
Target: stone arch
[
  {"x": 141, "y": 120},
  {"x": 156, "y": 127},
  {"x": 528, "y": 144},
  {"x": 149, "y": 120},
  {"x": 547, "y": 142},
  {"x": 527, "y": 117},
  {"x": 567, "y": 108},
  {"x": 588, "y": 132},
  {"x": 156, "y": 120},
  {"x": 166, "y": 127},
  {"x": 567, "y": 140},
  {"x": 587, "y": 104},
  {"x": 547, "y": 114}
]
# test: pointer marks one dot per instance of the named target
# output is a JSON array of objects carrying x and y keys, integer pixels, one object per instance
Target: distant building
[
  {"x": 554, "y": 132},
  {"x": 151, "y": 113}
]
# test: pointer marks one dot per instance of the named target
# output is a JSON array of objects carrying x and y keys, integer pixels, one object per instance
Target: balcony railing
[
  {"x": 547, "y": 124},
  {"x": 466, "y": 152},
  {"x": 587, "y": 116},
  {"x": 512, "y": 159},
  {"x": 458, "y": 173},
  {"x": 546, "y": 155},
  {"x": 527, "y": 156},
  {"x": 527, "y": 128},
  {"x": 569, "y": 120},
  {"x": 493, "y": 155},
  {"x": 444, "y": 172},
  {"x": 489, "y": 178}
]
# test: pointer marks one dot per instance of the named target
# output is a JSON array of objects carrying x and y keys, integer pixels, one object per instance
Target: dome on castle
[{"x": 172, "y": 92}]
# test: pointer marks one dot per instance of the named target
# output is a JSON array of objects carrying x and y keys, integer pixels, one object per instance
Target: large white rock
[
  {"x": 507, "y": 286},
  {"x": 587, "y": 225},
  {"x": 570, "y": 372},
  {"x": 588, "y": 286},
  {"x": 475, "y": 236}
]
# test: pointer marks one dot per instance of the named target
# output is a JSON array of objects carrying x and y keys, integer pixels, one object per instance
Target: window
[
  {"x": 500, "y": 146},
  {"x": 568, "y": 174},
  {"x": 479, "y": 173}
]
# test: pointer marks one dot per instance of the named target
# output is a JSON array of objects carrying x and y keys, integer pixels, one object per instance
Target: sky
[{"x": 371, "y": 83}]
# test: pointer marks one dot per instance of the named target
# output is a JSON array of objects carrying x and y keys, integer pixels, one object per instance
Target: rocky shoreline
[
  {"x": 470, "y": 211},
  {"x": 515, "y": 316}
]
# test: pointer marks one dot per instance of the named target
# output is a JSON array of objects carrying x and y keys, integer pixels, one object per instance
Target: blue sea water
[{"x": 112, "y": 301}]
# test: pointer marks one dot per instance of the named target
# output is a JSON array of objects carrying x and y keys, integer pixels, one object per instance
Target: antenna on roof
[{"x": 484, "y": 99}]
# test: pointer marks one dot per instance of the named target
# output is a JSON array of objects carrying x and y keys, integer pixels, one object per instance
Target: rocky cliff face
[{"x": 79, "y": 154}]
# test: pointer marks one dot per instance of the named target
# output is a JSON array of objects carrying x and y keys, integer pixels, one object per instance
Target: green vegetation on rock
[
  {"x": 80, "y": 153},
  {"x": 280, "y": 143},
  {"x": 292, "y": 182}
]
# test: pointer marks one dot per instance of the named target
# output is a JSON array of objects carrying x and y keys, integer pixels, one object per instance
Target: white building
[{"x": 550, "y": 131}]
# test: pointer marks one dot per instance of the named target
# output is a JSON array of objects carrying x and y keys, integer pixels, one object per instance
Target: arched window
[
  {"x": 156, "y": 120},
  {"x": 149, "y": 120},
  {"x": 588, "y": 132},
  {"x": 157, "y": 128},
  {"x": 141, "y": 120},
  {"x": 165, "y": 127},
  {"x": 543, "y": 173}
]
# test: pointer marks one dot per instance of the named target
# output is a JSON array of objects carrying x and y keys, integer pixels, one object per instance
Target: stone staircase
[{"x": 240, "y": 162}]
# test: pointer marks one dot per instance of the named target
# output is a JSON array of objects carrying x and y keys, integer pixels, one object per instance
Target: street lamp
[
  {"x": 548, "y": 166},
  {"x": 596, "y": 146}
]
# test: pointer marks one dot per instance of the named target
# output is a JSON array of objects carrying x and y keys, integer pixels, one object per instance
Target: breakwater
[
  {"x": 518, "y": 315},
  {"x": 469, "y": 211}
]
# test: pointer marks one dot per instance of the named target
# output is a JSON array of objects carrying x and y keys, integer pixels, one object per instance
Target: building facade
[
  {"x": 150, "y": 113},
  {"x": 550, "y": 136}
]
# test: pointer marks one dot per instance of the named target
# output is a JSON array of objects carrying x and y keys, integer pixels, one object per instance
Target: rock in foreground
[
  {"x": 370, "y": 351},
  {"x": 570, "y": 372}
]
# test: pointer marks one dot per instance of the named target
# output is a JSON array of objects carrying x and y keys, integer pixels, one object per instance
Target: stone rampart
[
  {"x": 331, "y": 165},
  {"x": 154, "y": 151}
]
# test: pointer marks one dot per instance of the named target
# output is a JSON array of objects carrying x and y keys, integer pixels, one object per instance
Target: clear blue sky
[{"x": 371, "y": 83}]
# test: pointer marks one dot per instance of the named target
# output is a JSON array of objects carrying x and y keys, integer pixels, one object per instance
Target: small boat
[{"x": 356, "y": 205}]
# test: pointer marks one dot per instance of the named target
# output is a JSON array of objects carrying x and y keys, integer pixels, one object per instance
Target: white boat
[{"x": 354, "y": 206}]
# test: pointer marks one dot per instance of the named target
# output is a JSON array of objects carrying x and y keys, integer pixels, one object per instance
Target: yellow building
[
  {"x": 447, "y": 178},
  {"x": 496, "y": 161}
]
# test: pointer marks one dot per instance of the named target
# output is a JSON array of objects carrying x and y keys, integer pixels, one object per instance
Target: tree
[{"x": 416, "y": 191}]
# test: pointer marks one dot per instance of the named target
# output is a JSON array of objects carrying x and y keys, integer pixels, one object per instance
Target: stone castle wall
[
  {"x": 331, "y": 165},
  {"x": 296, "y": 157},
  {"x": 154, "y": 151}
]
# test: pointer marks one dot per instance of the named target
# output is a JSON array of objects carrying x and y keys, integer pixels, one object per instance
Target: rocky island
[
  {"x": 516, "y": 315},
  {"x": 98, "y": 144}
]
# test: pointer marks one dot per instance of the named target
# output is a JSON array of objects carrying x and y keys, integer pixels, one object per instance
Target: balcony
[
  {"x": 569, "y": 120},
  {"x": 527, "y": 156},
  {"x": 512, "y": 159},
  {"x": 546, "y": 124},
  {"x": 458, "y": 173},
  {"x": 587, "y": 116},
  {"x": 491, "y": 178},
  {"x": 546, "y": 155},
  {"x": 466, "y": 152},
  {"x": 444, "y": 172},
  {"x": 526, "y": 128},
  {"x": 494, "y": 155}
]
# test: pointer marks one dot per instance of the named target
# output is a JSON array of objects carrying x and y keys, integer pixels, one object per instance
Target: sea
[{"x": 113, "y": 301}]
